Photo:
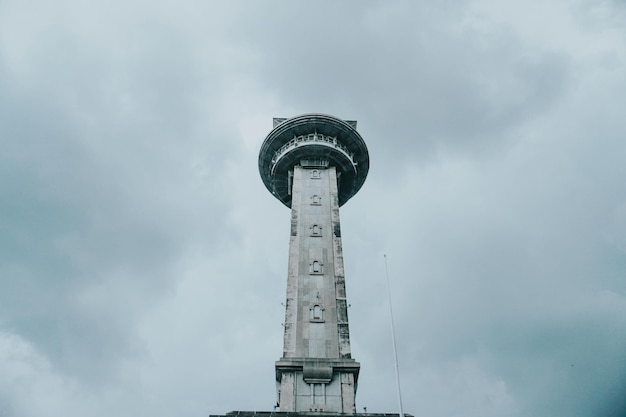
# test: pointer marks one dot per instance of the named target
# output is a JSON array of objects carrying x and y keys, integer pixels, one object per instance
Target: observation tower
[{"x": 313, "y": 164}]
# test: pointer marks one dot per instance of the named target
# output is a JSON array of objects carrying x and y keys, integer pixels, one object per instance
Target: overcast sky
[{"x": 143, "y": 263}]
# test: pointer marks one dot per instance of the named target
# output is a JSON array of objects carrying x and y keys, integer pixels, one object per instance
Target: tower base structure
[{"x": 325, "y": 385}]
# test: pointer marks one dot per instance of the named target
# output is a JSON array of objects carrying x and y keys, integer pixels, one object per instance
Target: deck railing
[{"x": 312, "y": 138}]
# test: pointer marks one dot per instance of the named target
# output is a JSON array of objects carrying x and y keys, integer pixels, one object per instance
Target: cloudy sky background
[{"x": 143, "y": 263}]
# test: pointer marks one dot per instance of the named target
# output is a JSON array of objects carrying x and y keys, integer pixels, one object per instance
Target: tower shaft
[{"x": 316, "y": 372}]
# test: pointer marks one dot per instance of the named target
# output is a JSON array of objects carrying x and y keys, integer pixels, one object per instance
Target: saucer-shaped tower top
[{"x": 313, "y": 140}]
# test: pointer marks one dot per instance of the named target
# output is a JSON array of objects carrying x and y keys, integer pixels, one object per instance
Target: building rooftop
[{"x": 300, "y": 414}]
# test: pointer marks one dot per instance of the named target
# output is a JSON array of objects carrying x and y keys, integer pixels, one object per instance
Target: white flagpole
[{"x": 393, "y": 340}]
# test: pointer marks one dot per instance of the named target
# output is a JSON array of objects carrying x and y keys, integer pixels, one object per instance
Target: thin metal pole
[{"x": 393, "y": 339}]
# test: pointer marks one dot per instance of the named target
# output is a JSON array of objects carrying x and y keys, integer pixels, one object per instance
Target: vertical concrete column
[
  {"x": 348, "y": 393},
  {"x": 291, "y": 304},
  {"x": 343, "y": 332},
  {"x": 316, "y": 348}
]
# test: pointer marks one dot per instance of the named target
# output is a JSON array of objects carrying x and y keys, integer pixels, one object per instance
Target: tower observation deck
[
  {"x": 313, "y": 164},
  {"x": 313, "y": 138}
]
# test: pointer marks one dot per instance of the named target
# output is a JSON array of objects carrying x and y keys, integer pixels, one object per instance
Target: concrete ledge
[{"x": 299, "y": 364}]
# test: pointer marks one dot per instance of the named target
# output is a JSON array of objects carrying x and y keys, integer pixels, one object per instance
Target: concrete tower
[{"x": 313, "y": 164}]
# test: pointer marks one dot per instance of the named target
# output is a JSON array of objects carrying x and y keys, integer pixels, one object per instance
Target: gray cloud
[{"x": 142, "y": 262}]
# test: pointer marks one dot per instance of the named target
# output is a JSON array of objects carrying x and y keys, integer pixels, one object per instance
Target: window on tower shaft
[
  {"x": 316, "y": 268},
  {"x": 317, "y": 313}
]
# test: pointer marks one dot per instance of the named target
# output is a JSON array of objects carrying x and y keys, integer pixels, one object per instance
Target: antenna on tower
[{"x": 393, "y": 339}]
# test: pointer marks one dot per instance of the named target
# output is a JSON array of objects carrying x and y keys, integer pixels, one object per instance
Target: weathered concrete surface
[{"x": 316, "y": 372}]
